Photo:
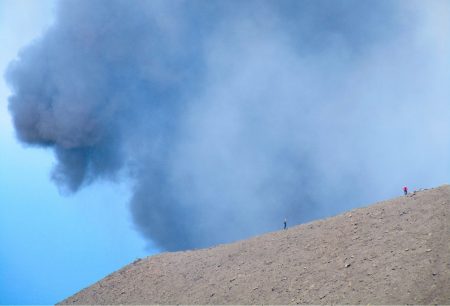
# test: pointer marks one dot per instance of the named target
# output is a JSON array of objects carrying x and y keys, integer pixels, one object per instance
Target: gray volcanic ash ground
[{"x": 392, "y": 252}]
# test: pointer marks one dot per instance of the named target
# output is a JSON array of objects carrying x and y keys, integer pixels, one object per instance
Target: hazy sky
[
  {"x": 192, "y": 123},
  {"x": 50, "y": 246}
]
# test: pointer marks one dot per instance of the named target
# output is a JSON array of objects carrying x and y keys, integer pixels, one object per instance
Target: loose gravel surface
[{"x": 393, "y": 252}]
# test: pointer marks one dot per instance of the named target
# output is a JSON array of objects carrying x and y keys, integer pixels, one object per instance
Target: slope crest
[{"x": 392, "y": 252}]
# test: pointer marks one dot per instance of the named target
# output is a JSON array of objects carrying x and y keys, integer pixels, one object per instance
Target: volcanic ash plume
[{"x": 228, "y": 116}]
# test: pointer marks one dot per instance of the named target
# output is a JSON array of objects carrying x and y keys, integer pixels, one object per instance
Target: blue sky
[
  {"x": 206, "y": 122},
  {"x": 50, "y": 245}
]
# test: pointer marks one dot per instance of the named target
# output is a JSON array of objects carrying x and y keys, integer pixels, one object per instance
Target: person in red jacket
[{"x": 405, "y": 190}]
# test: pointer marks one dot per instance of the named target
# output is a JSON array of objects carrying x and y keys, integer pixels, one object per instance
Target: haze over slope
[
  {"x": 393, "y": 252},
  {"x": 220, "y": 113}
]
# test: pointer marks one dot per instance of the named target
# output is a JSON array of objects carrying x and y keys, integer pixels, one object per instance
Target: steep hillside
[{"x": 393, "y": 252}]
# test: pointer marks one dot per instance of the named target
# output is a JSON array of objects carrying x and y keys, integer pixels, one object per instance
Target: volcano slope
[{"x": 393, "y": 252}]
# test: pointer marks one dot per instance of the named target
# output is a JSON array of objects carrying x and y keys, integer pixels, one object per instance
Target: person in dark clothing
[
  {"x": 285, "y": 223},
  {"x": 405, "y": 190}
]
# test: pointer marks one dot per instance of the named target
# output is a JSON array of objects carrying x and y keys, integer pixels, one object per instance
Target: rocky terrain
[{"x": 393, "y": 252}]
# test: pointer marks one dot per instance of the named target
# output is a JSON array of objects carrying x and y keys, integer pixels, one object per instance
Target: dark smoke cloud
[{"x": 229, "y": 116}]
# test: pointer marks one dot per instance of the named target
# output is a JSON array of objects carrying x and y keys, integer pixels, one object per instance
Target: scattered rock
[{"x": 276, "y": 263}]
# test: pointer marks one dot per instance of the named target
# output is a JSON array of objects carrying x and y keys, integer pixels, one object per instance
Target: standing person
[
  {"x": 405, "y": 190},
  {"x": 285, "y": 223}
]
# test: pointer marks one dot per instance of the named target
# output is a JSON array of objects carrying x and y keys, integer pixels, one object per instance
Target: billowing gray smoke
[{"x": 229, "y": 116}]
